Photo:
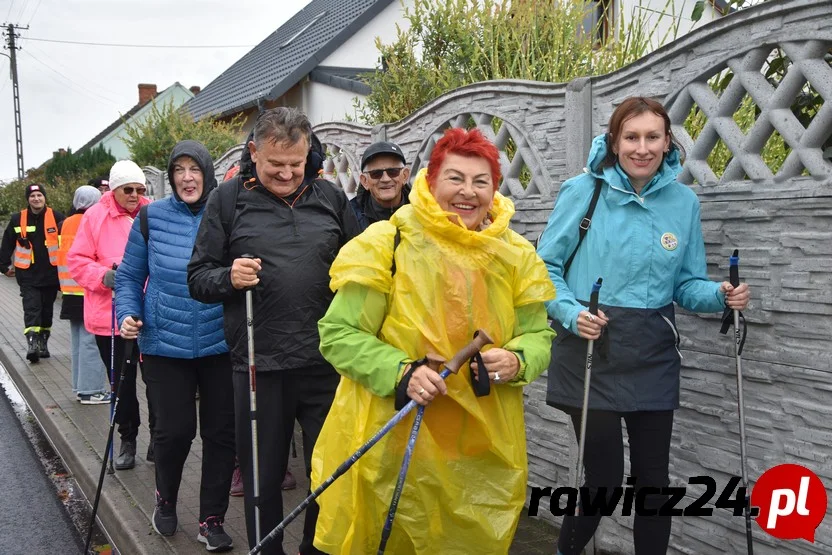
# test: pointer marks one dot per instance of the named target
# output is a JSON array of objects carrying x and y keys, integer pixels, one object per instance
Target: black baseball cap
[{"x": 382, "y": 147}]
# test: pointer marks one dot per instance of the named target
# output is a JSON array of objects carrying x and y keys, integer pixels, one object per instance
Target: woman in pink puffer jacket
[{"x": 98, "y": 247}]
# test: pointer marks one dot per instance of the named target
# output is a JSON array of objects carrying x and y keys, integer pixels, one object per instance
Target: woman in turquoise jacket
[
  {"x": 183, "y": 346},
  {"x": 645, "y": 241}
]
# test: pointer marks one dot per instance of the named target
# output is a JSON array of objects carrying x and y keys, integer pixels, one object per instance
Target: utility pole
[{"x": 18, "y": 129}]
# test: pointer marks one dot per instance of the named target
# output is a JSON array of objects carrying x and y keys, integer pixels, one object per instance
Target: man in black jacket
[
  {"x": 32, "y": 236},
  {"x": 294, "y": 225}
]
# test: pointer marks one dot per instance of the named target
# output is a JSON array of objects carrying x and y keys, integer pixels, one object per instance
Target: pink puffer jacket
[{"x": 100, "y": 243}]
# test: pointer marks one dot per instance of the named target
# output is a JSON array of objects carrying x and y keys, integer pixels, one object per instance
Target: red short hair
[{"x": 469, "y": 143}]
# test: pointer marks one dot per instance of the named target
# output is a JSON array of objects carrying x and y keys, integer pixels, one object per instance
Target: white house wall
[
  {"x": 662, "y": 15},
  {"x": 325, "y": 103},
  {"x": 360, "y": 49}
]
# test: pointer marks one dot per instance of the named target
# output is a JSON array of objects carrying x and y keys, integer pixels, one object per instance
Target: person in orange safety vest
[{"x": 31, "y": 238}]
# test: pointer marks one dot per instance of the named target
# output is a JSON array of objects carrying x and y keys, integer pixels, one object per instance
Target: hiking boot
[
  {"x": 43, "y": 350},
  {"x": 213, "y": 536},
  {"x": 164, "y": 517},
  {"x": 95, "y": 399},
  {"x": 33, "y": 354},
  {"x": 236, "y": 483},
  {"x": 126, "y": 456},
  {"x": 289, "y": 481}
]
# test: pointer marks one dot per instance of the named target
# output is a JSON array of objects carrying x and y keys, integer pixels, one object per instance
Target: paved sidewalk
[{"x": 79, "y": 434}]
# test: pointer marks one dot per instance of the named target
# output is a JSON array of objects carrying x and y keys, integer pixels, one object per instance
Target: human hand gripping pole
[
  {"x": 252, "y": 400},
  {"x": 593, "y": 309},
  {"x": 739, "y": 341},
  {"x": 481, "y": 339},
  {"x": 129, "y": 347}
]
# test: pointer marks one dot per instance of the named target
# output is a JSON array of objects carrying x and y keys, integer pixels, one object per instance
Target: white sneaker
[{"x": 96, "y": 399}]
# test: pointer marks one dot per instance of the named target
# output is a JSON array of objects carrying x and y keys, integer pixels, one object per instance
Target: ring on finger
[
  {"x": 496, "y": 376},
  {"x": 590, "y": 318},
  {"x": 421, "y": 391}
]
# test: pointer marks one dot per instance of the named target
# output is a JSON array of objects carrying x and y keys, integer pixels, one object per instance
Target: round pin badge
[{"x": 669, "y": 241}]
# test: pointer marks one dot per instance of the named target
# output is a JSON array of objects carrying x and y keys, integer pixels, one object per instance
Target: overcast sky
[{"x": 69, "y": 93}]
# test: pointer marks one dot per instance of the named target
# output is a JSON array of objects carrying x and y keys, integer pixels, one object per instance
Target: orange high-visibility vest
[
  {"x": 68, "y": 231},
  {"x": 24, "y": 256}
]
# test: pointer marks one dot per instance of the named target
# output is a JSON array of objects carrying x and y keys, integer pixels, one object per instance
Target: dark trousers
[
  {"x": 172, "y": 385},
  {"x": 38, "y": 304},
  {"x": 127, "y": 413},
  {"x": 304, "y": 394},
  {"x": 649, "y": 435}
]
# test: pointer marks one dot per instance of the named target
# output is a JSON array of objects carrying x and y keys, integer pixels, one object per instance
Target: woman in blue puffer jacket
[
  {"x": 183, "y": 346},
  {"x": 646, "y": 242}
]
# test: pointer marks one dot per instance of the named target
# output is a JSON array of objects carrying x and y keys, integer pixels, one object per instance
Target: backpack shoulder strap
[
  {"x": 143, "y": 225},
  {"x": 228, "y": 192},
  {"x": 583, "y": 227}
]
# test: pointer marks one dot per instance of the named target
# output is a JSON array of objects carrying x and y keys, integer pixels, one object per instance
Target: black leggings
[
  {"x": 649, "y": 437},
  {"x": 171, "y": 388}
]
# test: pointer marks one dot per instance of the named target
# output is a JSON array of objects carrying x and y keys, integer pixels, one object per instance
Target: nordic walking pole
[
  {"x": 739, "y": 340},
  {"x": 112, "y": 470},
  {"x": 252, "y": 400},
  {"x": 593, "y": 309},
  {"x": 481, "y": 339},
  {"x": 129, "y": 345},
  {"x": 397, "y": 493}
]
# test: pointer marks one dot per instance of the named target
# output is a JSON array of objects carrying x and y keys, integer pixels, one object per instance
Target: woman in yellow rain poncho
[{"x": 458, "y": 267}]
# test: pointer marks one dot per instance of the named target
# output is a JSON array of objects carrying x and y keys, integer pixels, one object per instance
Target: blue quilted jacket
[{"x": 174, "y": 325}]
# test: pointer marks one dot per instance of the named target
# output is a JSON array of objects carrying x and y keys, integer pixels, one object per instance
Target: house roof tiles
[{"x": 290, "y": 53}]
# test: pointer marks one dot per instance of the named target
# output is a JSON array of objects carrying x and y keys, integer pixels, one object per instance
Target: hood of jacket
[
  {"x": 615, "y": 176},
  {"x": 200, "y": 154}
]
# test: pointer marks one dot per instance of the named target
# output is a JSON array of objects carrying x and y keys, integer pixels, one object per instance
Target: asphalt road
[{"x": 32, "y": 518}]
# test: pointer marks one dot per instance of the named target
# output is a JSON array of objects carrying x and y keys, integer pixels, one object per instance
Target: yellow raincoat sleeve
[{"x": 349, "y": 339}]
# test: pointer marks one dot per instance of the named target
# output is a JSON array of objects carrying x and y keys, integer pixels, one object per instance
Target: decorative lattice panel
[
  {"x": 341, "y": 168},
  {"x": 519, "y": 163},
  {"x": 765, "y": 115}
]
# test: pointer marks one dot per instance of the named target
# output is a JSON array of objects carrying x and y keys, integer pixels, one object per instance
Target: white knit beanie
[{"x": 124, "y": 172}]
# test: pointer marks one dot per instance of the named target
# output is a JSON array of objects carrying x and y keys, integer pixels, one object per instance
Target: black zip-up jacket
[
  {"x": 297, "y": 238},
  {"x": 41, "y": 273}
]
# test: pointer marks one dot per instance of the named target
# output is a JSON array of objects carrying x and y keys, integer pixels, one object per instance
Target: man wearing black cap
[
  {"x": 384, "y": 183},
  {"x": 32, "y": 236}
]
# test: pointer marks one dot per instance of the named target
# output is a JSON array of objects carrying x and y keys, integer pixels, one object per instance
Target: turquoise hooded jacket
[{"x": 648, "y": 248}]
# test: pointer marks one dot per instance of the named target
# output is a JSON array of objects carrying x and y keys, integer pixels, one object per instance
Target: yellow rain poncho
[{"x": 467, "y": 479}]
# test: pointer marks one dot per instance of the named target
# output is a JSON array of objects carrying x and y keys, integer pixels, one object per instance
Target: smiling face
[
  {"x": 280, "y": 166},
  {"x": 37, "y": 201},
  {"x": 188, "y": 179},
  {"x": 386, "y": 190},
  {"x": 464, "y": 186},
  {"x": 641, "y": 146}
]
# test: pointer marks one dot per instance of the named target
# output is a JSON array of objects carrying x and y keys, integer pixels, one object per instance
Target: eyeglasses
[
  {"x": 392, "y": 172},
  {"x": 129, "y": 190}
]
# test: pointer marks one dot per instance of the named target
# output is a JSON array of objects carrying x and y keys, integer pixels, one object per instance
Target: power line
[
  {"x": 70, "y": 81},
  {"x": 98, "y": 87},
  {"x": 121, "y": 45},
  {"x": 22, "y": 9},
  {"x": 11, "y": 5},
  {"x": 31, "y": 17}
]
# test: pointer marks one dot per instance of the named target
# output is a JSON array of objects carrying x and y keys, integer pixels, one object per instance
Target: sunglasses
[
  {"x": 393, "y": 173},
  {"x": 129, "y": 190}
]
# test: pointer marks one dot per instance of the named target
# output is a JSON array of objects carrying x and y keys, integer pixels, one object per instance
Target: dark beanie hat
[{"x": 35, "y": 188}]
